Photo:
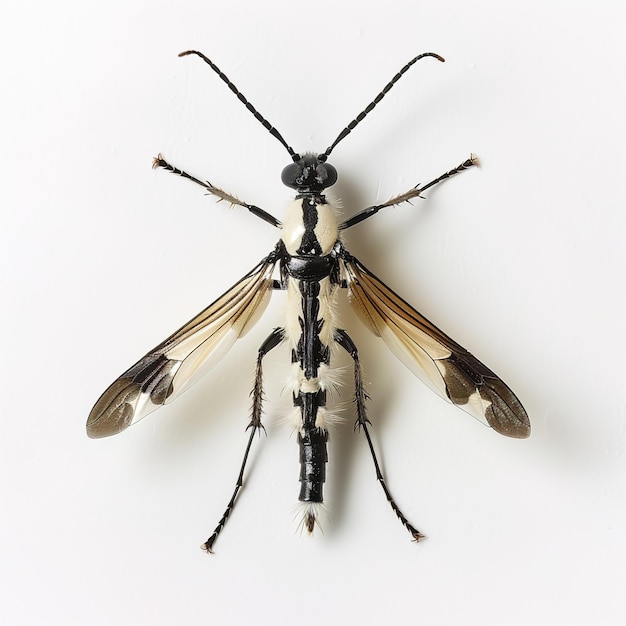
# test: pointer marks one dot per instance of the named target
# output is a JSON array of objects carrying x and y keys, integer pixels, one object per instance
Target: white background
[{"x": 521, "y": 261}]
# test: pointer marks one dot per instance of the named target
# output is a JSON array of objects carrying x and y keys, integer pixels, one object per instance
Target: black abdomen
[{"x": 313, "y": 458}]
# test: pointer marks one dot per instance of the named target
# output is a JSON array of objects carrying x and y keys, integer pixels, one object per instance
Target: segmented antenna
[
  {"x": 272, "y": 130},
  {"x": 361, "y": 116}
]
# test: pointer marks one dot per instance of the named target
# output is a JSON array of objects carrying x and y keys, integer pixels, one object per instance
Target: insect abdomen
[{"x": 313, "y": 459}]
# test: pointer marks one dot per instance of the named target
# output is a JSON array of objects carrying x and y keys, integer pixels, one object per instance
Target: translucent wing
[
  {"x": 183, "y": 358},
  {"x": 446, "y": 367}
]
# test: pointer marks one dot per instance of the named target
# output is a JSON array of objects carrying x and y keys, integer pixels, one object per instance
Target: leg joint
[
  {"x": 344, "y": 340},
  {"x": 275, "y": 339}
]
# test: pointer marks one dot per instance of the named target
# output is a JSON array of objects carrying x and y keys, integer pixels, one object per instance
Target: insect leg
[
  {"x": 344, "y": 340},
  {"x": 277, "y": 336},
  {"x": 220, "y": 194},
  {"x": 416, "y": 192}
]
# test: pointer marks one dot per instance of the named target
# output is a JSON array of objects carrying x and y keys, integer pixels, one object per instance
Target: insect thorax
[
  {"x": 310, "y": 234},
  {"x": 310, "y": 227}
]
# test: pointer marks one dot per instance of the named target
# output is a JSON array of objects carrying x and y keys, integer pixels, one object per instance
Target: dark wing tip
[
  {"x": 113, "y": 412},
  {"x": 506, "y": 413},
  {"x": 520, "y": 430}
]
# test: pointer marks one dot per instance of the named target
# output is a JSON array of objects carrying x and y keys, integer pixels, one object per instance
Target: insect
[{"x": 312, "y": 265}]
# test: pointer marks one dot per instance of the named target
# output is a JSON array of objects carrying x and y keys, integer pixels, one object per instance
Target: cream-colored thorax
[{"x": 326, "y": 229}]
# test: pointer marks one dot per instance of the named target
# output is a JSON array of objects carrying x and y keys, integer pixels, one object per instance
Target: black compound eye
[
  {"x": 326, "y": 175},
  {"x": 290, "y": 175}
]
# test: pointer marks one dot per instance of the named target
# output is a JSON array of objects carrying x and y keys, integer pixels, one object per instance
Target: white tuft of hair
[
  {"x": 309, "y": 516},
  {"x": 327, "y": 420},
  {"x": 292, "y": 419}
]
